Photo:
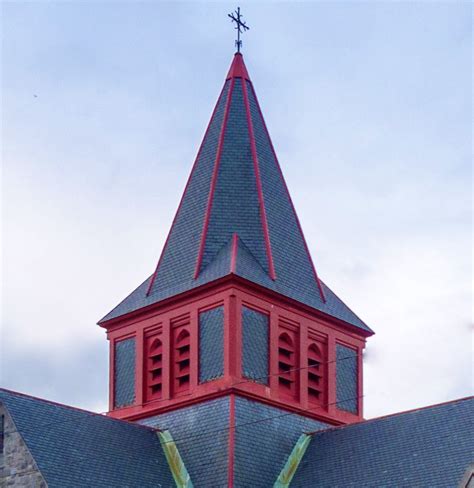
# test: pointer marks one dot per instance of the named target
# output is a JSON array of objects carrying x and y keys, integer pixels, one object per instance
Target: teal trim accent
[
  {"x": 293, "y": 461},
  {"x": 176, "y": 464}
]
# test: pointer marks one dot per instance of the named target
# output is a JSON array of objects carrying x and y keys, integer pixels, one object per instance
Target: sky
[{"x": 104, "y": 105}]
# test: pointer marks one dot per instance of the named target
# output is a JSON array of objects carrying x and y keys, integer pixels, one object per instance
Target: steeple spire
[{"x": 236, "y": 217}]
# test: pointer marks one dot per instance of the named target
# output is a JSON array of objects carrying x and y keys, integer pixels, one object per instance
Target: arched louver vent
[
  {"x": 154, "y": 369},
  {"x": 181, "y": 360},
  {"x": 287, "y": 365},
  {"x": 316, "y": 374}
]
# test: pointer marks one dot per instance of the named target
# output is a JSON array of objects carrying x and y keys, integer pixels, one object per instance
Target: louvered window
[
  {"x": 154, "y": 368},
  {"x": 287, "y": 364},
  {"x": 316, "y": 373},
  {"x": 181, "y": 360}
]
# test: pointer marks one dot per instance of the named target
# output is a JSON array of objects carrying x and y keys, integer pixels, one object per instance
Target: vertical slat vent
[
  {"x": 154, "y": 368},
  {"x": 287, "y": 364},
  {"x": 181, "y": 359},
  {"x": 316, "y": 371}
]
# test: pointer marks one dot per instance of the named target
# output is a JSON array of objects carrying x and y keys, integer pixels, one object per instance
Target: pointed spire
[{"x": 236, "y": 216}]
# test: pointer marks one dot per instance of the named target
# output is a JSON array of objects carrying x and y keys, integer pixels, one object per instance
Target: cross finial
[{"x": 241, "y": 27}]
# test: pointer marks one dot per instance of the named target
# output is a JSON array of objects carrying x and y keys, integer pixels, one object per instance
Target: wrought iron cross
[{"x": 241, "y": 27}]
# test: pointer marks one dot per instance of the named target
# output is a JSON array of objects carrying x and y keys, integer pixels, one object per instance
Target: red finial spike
[{"x": 237, "y": 68}]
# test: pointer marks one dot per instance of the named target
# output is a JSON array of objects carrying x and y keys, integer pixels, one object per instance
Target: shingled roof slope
[
  {"x": 76, "y": 448},
  {"x": 236, "y": 188},
  {"x": 430, "y": 446}
]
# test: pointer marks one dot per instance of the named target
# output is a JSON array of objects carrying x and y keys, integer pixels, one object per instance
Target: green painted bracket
[
  {"x": 176, "y": 464},
  {"x": 293, "y": 461}
]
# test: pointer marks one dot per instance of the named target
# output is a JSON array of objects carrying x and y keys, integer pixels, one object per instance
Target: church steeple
[{"x": 235, "y": 305}]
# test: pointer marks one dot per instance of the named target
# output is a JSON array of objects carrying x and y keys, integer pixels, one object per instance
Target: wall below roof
[{"x": 17, "y": 466}]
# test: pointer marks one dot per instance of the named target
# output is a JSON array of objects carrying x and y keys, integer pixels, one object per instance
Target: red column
[
  {"x": 303, "y": 372},
  {"x": 111, "y": 373},
  {"x": 273, "y": 351},
  {"x": 194, "y": 349},
  {"x": 140, "y": 347},
  {"x": 166, "y": 359},
  {"x": 331, "y": 374},
  {"x": 231, "y": 356}
]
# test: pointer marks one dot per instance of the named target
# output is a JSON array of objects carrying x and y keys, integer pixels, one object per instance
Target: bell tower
[{"x": 235, "y": 307}]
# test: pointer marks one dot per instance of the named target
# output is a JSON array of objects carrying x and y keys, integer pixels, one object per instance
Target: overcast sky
[{"x": 369, "y": 108}]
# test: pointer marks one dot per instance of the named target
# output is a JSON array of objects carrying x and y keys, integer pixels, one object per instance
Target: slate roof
[
  {"x": 236, "y": 188},
  {"x": 431, "y": 446},
  {"x": 75, "y": 448}
]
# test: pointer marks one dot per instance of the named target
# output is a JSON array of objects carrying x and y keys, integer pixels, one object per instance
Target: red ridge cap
[
  {"x": 403, "y": 412},
  {"x": 153, "y": 278},
  {"x": 315, "y": 273},
  {"x": 237, "y": 68},
  {"x": 71, "y": 407},
  {"x": 263, "y": 213},
  {"x": 215, "y": 172}
]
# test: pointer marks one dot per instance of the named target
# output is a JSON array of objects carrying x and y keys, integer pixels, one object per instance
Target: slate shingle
[
  {"x": 255, "y": 340},
  {"x": 79, "y": 449},
  {"x": 211, "y": 344},
  {"x": 430, "y": 447},
  {"x": 124, "y": 381},
  {"x": 201, "y": 433}
]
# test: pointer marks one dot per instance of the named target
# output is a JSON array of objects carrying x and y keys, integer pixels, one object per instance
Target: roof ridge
[
  {"x": 71, "y": 407},
  {"x": 395, "y": 414},
  {"x": 247, "y": 250},
  {"x": 324, "y": 285},
  {"x": 206, "y": 132},
  {"x": 258, "y": 182},
  {"x": 213, "y": 183}
]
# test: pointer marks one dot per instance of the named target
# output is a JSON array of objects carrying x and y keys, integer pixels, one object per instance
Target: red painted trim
[
  {"x": 331, "y": 373},
  {"x": 261, "y": 202},
  {"x": 194, "y": 353},
  {"x": 321, "y": 291},
  {"x": 214, "y": 179},
  {"x": 230, "y": 472},
  {"x": 150, "y": 286},
  {"x": 140, "y": 369},
  {"x": 233, "y": 258},
  {"x": 111, "y": 373},
  {"x": 360, "y": 381}
]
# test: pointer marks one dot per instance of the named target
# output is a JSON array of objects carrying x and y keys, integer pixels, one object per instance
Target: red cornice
[
  {"x": 320, "y": 288},
  {"x": 263, "y": 213},
  {"x": 150, "y": 286},
  {"x": 214, "y": 180},
  {"x": 142, "y": 414},
  {"x": 228, "y": 281}
]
